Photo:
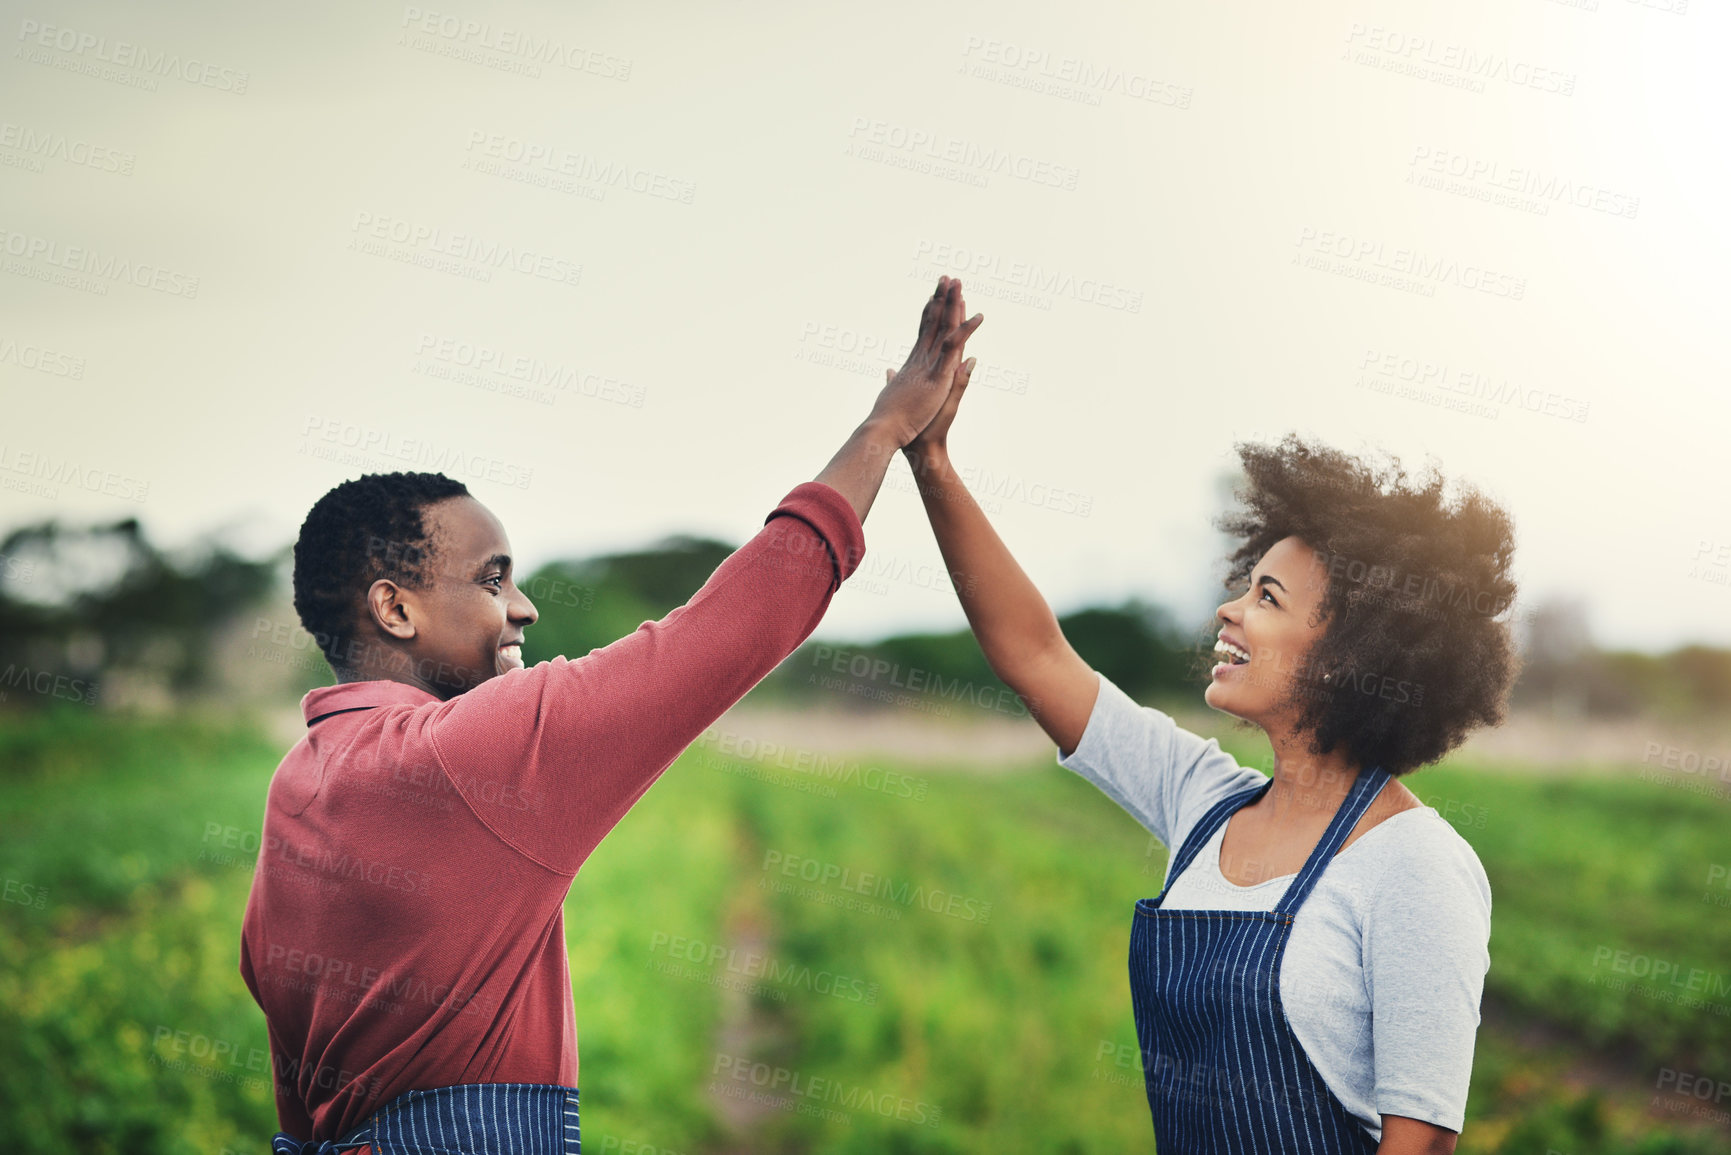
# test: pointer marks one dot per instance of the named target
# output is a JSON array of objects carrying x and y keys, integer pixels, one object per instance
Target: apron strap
[
  {"x": 1204, "y": 830},
  {"x": 1365, "y": 788}
]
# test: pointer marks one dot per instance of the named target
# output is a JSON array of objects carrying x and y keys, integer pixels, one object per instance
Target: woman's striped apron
[{"x": 1223, "y": 1070}]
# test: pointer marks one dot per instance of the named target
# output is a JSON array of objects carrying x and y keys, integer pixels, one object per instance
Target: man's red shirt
[{"x": 406, "y": 924}]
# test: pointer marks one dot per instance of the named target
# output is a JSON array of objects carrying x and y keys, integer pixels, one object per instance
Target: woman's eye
[{"x": 1269, "y": 596}]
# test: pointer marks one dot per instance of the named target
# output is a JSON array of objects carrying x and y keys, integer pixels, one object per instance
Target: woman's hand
[
  {"x": 913, "y": 397},
  {"x": 933, "y": 442}
]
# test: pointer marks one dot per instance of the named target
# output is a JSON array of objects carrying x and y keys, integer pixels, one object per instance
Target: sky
[{"x": 633, "y": 270}]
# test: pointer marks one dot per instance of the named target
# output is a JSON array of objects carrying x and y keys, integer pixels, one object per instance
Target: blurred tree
[
  {"x": 1136, "y": 645},
  {"x": 87, "y": 603},
  {"x": 99, "y": 602},
  {"x": 1565, "y": 673},
  {"x": 585, "y": 604},
  {"x": 588, "y": 603},
  {"x": 1556, "y": 645}
]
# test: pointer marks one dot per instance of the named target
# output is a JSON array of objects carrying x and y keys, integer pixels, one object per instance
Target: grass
[{"x": 766, "y": 960}]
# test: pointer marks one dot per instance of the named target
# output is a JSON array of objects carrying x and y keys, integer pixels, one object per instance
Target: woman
[{"x": 1309, "y": 978}]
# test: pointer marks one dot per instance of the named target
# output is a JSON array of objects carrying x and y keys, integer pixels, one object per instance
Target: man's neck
[{"x": 401, "y": 672}]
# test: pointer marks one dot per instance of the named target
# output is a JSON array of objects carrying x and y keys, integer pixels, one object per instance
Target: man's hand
[{"x": 913, "y": 397}]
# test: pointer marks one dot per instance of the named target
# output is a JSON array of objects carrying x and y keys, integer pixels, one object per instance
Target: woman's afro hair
[
  {"x": 358, "y": 533},
  {"x": 1416, "y": 648}
]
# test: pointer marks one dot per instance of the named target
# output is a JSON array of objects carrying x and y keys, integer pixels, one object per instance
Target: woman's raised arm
[{"x": 1016, "y": 628}]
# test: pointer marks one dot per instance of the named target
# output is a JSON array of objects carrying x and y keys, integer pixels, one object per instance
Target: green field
[{"x": 970, "y": 995}]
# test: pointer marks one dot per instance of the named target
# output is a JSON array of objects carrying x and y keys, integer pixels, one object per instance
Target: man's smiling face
[{"x": 466, "y": 624}]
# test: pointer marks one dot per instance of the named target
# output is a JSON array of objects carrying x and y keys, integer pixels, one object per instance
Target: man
[{"x": 405, "y": 934}]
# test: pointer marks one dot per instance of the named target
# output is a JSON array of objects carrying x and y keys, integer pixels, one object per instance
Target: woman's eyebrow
[{"x": 1268, "y": 579}]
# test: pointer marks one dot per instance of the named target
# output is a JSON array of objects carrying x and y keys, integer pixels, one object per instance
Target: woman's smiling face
[{"x": 1272, "y": 624}]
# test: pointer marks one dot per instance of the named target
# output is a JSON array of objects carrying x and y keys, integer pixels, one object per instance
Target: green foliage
[
  {"x": 882, "y": 986},
  {"x": 1590, "y": 876},
  {"x": 117, "y": 985},
  {"x": 94, "y": 809}
]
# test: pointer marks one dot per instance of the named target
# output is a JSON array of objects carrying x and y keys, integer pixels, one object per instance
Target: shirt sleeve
[
  {"x": 1427, "y": 950},
  {"x": 1165, "y": 776},
  {"x": 552, "y": 757}
]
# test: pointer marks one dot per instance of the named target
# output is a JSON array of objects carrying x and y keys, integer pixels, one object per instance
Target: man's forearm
[{"x": 857, "y": 470}]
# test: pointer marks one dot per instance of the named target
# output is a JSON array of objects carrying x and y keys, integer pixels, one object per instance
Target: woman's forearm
[
  {"x": 1015, "y": 626},
  {"x": 1404, "y": 1136},
  {"x": 1008, "y": 614}
]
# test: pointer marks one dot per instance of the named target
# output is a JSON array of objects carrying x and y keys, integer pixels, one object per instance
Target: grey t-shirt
[{"x": 1386, "y": 962}]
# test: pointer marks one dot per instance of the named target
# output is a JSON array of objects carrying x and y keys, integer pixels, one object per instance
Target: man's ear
[{"x": 389, "y": 611}]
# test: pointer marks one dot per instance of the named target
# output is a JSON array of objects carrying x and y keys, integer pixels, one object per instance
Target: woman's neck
[{"x": 1306, "y": 784}]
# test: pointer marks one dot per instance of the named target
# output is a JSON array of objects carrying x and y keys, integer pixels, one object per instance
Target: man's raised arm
[{"x": 580, "y": 741}]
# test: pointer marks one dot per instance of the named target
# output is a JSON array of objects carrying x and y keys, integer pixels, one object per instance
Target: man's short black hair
[
  {"x": 362, "y": 531},
  {"x": 1416, "y": 649}
]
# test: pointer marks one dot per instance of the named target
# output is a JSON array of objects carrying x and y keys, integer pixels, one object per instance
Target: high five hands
[
  {"x": 920, "y": 399},
  {"x": 912, "y": 398}
]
